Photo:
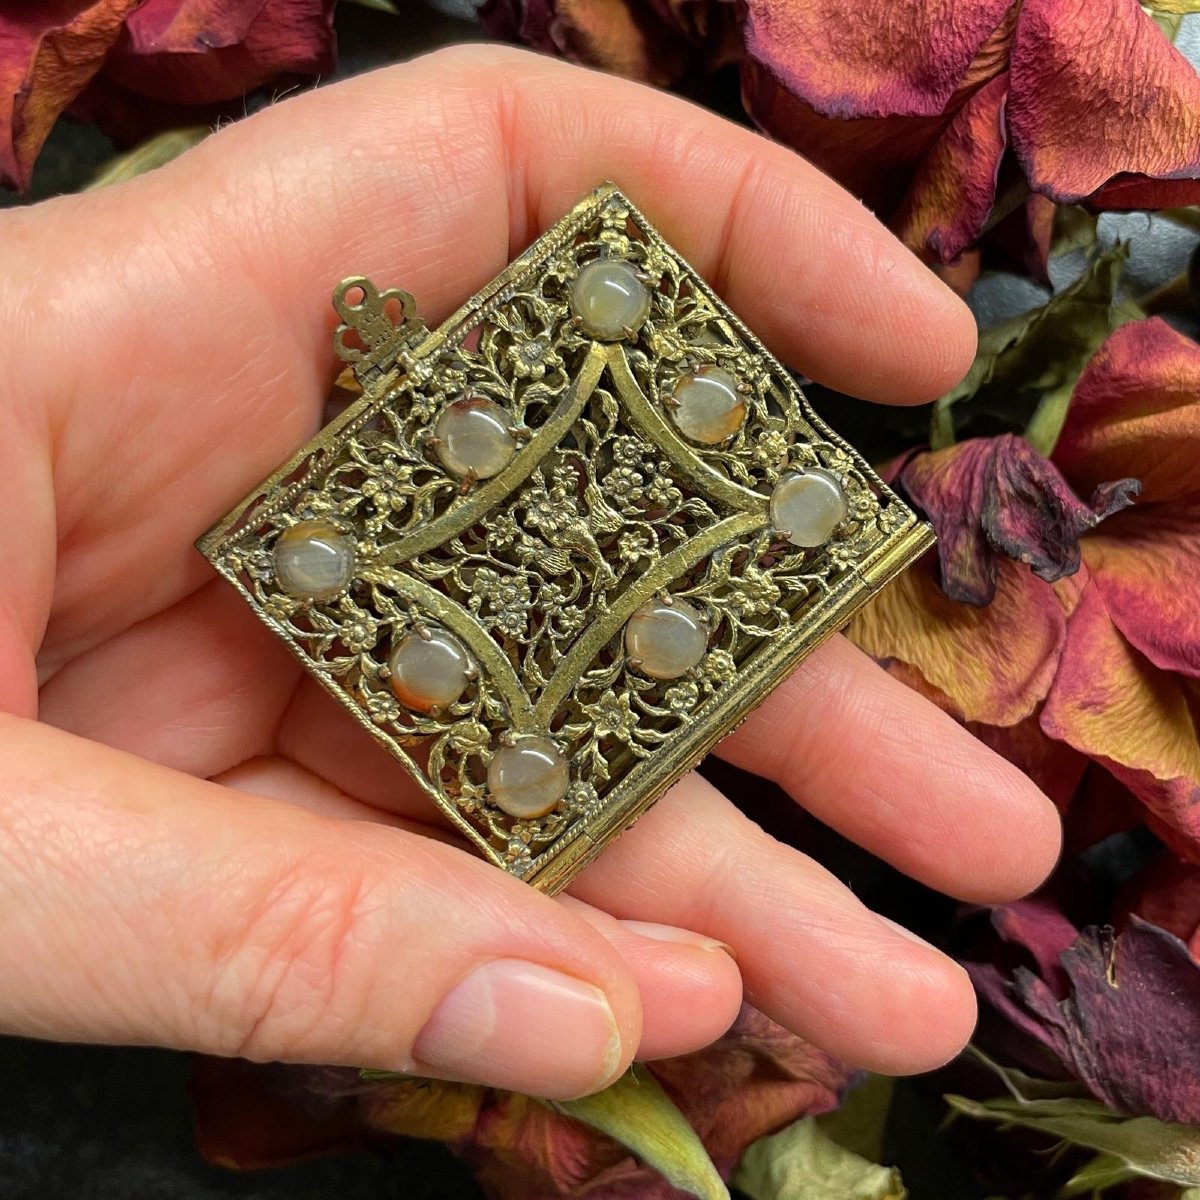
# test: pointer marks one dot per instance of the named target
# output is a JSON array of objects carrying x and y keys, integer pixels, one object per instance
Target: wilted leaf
[
  {"x": 802, "y": 1163},
  {"x": 636, "y": 1112},
  {"x": 1149, "y": 1147},
  {"x": 1104, "y": 1171},
  {"x": 1179, "y": 7},
  {"x": 1024, "y": 1086},
  {"x": 155, "y": 152},
  {"x": 1026, "y": 368},
  {"x": 1169, "y": 23},
  {"x": 1074, "y": 229},
  {"x": 861, "y": 1121}
]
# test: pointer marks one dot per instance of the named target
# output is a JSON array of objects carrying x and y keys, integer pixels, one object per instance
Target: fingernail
[
  {"x": 525, "y": 1027},
  {"x": 907, "y": 934},
  {"x": 680, "y": 937}
]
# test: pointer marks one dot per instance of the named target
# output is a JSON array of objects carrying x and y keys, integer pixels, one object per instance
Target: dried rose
[
  {"x": 625, "y": 39},
  {"x": 668, "y": 43},
  {"x": 755, "y": 1080},
  {"x": 922, "y": 107},
  {"x": 1119, "y": 1011},
  {"x": 948, "y": 92},
  {"x": 1104, "y": 661},
  {"x": 136, "y": 66},
  {"x": 994, "y": 497},
  {"x": 1167, "y": 894}
]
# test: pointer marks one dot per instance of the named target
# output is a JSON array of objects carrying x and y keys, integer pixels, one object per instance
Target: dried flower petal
[
  {"x": 1098, "y": 92},
  {"x": 995, "y": 664},
  {"x": 885, "y": 60},
  {"x": 1167, "y": 894},
  {"x": 48, "y": 55},
  {"x": 1136, "y": 411},
  {"x": 997, "y": 496},
  {"x": 208, "y": 51},
  {"x": 952, "y": 192},
  {"x": 1120, "y": 1012},
  {"x": 754, "y": 1080},
  {"x": 874, "y": 157},
  {"x": 1054, "y": 766},
  {"x": 1136, "y": 404},
  {"x": 1112, "y": 704},
  {"x": 625, "y": 38}
]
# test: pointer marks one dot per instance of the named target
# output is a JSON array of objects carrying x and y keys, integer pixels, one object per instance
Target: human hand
[{"x": 197, "y": 847}]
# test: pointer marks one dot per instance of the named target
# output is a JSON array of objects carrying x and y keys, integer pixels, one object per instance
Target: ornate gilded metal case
[{"x": 605, "y": 506}]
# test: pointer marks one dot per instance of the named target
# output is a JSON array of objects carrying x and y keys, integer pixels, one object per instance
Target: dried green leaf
[
  {"x": 1169, "y": 23},
  {"x": 1103, "y": 1171},
  {"x": 803, "y": 1163},
  {"x": 1026, "y": 368},
  {"x": 154, "y": 152},
  {"x": 1074, "y": 229},
  {"x": 1146, "y": 1146},
  {"x": 1176, "y": 7},
  {"x": 636, "y": 1112},
  {"x": 1028, "y": 1087},
  {"x": 861, "y": 1121},
  {"x": 1189, "y": 218}
]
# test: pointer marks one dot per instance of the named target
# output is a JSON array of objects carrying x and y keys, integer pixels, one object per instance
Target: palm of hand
[{"x": 178, "y": 331}]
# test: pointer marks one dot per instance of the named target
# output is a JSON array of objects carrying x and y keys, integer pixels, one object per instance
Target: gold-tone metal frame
[{"x": 603, "y": 506}]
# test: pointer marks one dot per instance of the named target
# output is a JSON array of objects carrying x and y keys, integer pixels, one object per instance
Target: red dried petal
[
  {"x": 1129, "y": 1026},
  {"x": 1030, "y": 513},
  {"x": 1038, "y": 219},
  {"x": 245, "y": 1120},
  {"x": 952, "y": 193},
  {"x": 46, "y": 59},
  {"x": 999, "y": 496},
  {"x": 1136, "y": 411},
  {"x": 872, "y": 157},
  {"x": 1167, "y": 894},
  {"x": 753, "y": 1081},
  {"x": 618, "y": 36},
  {"x": 1128, "y": 192},
  {"x": 1056, "y": 768},
  {"x": 207, "y": 51},
  {"x": 1112, "y": 704},
  {"x": 886, "y": 60},
  {"x": 993, "y": 665},
  {"x": 1099, "y": 92},
  {"x": 1145, "y": 566}
]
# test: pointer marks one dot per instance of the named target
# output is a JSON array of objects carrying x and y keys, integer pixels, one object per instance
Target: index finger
[{"x": 195, "y": 300}]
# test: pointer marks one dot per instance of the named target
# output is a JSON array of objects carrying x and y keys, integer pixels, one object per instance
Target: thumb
[{"x": 141, "y": 905}]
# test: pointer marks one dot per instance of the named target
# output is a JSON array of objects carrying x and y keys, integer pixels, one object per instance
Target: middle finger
[{"x": 812, "y": 956}]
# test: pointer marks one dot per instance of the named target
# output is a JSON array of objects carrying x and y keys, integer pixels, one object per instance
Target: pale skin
[{"x": 197, "y": 847}]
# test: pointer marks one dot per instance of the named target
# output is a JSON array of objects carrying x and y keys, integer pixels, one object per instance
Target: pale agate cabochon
[
  {"x": 314, "y": 560},
  {"x": 809, "y": 506},
  {"x": 609, "y": 299},
  {"x": 474, "y": 438},
  {"x": 430, "y": 673},
  {"x": 665, "y": 640},
  {"x": 528, "y": 778}
]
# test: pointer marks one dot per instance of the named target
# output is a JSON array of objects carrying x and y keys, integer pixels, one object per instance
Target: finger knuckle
[{"x": 293, "y": 979}]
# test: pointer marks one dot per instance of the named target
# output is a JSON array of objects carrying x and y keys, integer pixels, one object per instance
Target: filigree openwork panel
[{"x": 603, "y": 504}]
